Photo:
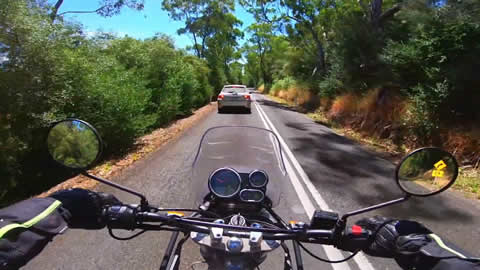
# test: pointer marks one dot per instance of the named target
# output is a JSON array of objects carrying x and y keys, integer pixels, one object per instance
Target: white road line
[
  {"x": 362, "y": 262},
  {"x": 332, "y": 253}
]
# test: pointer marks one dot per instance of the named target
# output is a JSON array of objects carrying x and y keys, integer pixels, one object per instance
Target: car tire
[
  {"x": 249, "y": 110},
  {"x": 220, "y": 110}
]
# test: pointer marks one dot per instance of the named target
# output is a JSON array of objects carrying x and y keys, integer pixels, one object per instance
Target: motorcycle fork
[
  {"x": 175, "y": 259},
  {"x": 296, "y": 247},
  {"x": 298, "y": 255},
  {"x": 168, "y": 251}
]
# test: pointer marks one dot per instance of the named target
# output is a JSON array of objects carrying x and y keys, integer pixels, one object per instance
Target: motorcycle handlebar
[{"x": 125, "y": 217}]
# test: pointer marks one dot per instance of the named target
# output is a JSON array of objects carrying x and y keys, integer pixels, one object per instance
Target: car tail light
[
  {"x": 220, "y": 97},
  {"x": 247, "y": 97}
]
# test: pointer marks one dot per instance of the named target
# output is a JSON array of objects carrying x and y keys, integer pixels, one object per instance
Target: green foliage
[
  {"x": 428, "y": 101},
  {"x": 429, "y": 49},
  {"x": 283, "y": 84},
  {"x": 332, "y": 83},
  {"x": 436, "y": 65},
  {"x": 123, "y": 86}
]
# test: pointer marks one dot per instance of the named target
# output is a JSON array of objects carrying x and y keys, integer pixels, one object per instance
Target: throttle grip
[{"x": 120, "y": 217}]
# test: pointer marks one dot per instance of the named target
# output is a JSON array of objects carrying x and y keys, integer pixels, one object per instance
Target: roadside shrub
[
  {"x": 427, "y": 105},
  {"x": 114, "y": 100},
  {"x": 301, "y": 96},
  {"x": 437, "y": 68},
  {"x": 261, "y": 88},
  {"x": 343, "y": 105},
  {"x": 282, "y": 84},
  {"x": 203, "y": 91}
]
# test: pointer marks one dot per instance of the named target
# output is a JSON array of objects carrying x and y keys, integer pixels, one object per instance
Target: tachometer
[
  {"x": 225, "y": 182},
  {"x": 258, "y": 179}
]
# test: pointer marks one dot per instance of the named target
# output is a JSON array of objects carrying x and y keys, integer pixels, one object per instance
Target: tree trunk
[
  {"x": 320, "y": 51},
  {"x": 377, "y": 18},
  {"x": 54, "y": 13},
  {"x": 197, "y": 50},
  {"x": 376, "y": 12}
]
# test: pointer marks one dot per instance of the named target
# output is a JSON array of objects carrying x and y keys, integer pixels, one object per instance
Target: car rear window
[{"x": 234, "y": 89}]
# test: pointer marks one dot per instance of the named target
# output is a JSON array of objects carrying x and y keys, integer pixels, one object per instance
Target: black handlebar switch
[
  {"x": 355, "y": 238},
  {"x": 323, "y": 220},
  {"x": 120, "y": 217}
]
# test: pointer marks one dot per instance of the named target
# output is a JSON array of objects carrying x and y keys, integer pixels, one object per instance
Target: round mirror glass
[
  {"x": 74, "y": 144},
  {"x": 427, "y": 171}
]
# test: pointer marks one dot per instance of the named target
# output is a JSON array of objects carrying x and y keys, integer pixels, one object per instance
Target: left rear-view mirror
[{"x": 74, "y": 144}]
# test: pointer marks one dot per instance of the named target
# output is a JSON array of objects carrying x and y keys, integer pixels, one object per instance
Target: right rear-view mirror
[{"x": 426, "y": 172}]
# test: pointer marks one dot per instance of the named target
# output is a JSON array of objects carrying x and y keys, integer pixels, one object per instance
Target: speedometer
[
  {"x": 258, "y": 179},
  {"x": 225, "y": 182}
]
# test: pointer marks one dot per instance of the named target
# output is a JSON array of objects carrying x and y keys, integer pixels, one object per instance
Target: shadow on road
[
  {"x": 280, "y": 106},
  {"x": 349, "y": 172}
]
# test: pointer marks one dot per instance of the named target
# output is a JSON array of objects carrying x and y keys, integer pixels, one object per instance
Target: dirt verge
[{"x": 142, "y": 148}]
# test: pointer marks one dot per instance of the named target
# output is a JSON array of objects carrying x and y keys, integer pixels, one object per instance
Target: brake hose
[
  {"x": 110, "y": 231},
  {"x": 325, "y": 260}
]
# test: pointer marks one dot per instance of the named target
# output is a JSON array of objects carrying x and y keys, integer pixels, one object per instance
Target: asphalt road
[{"x": 327, "y": 171}]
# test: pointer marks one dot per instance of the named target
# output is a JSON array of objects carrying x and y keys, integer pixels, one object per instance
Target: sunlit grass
[
  {"x": 106, "y": 167},
  {"x": 278, "y": 100},
  {"x": 469, "y": 181}
]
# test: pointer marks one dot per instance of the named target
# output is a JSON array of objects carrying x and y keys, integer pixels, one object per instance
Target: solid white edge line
[
  {"x": 362, "y": 261},
  {"x": 332, "y": 253}
]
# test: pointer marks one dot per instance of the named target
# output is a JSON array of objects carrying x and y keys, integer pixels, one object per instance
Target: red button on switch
[{"x": 357, "y": 230}]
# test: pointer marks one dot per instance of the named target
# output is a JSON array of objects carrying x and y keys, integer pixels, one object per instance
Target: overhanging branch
[
  {"x": 389, "y": 13},
  {"x": 77, "y": 12}
]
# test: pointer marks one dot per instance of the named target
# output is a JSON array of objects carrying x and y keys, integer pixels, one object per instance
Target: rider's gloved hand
[
  {"x": 387, "y": 233},
  {"x": 84, "y": 207},
  {"x": 411, "y": 244}
]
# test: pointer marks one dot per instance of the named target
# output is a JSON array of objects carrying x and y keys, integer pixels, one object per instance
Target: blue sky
[{"x": 138, "y": 24}]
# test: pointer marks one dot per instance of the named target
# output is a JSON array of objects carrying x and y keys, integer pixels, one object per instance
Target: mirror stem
[
  {"x": 143, "y": 199},
  {"x": 375, "y": 207}
]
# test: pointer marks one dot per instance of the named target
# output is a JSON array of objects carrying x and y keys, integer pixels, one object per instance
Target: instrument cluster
[{"x": 247, "y": 187}]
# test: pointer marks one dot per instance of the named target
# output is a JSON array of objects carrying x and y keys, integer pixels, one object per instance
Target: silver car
[{"x": 234, "y": 96}]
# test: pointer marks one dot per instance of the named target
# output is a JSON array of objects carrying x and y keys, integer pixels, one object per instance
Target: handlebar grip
[
  {"x": 355, "y": 238},
  {"x": 120, "y": 217}
]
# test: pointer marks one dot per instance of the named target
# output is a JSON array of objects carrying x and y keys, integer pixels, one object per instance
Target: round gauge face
[
  {"x": 225, "y": 183},
  {"x": 258, "y": 179}
]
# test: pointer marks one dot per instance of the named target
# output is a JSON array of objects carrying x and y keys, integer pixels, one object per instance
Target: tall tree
[
  {"x": 214, "y": 30},
  {"x": 298, "y": 17},
  {"x": 261, "y": 39}
]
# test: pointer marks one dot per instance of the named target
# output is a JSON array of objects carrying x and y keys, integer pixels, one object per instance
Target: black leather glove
[
  {"x": 412, "y": 245},
  {"x": 393, "y": 237},
  {"x": 84, "y": 207}
]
